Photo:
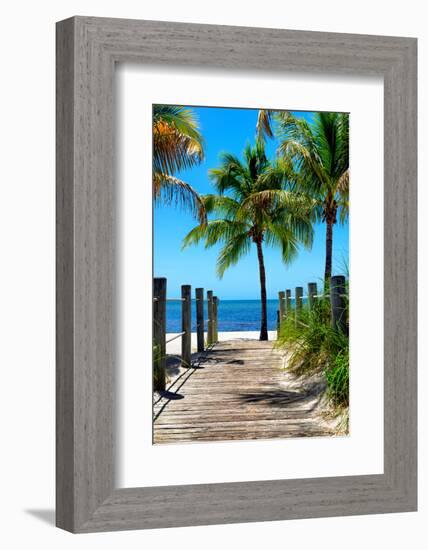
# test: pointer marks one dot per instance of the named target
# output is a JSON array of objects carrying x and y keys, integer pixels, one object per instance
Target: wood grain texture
[
  {"x": 64, "y": 277},
  {"x": 186, "y": 325},
  {"x": 281, "y": 301},
  {"x": 87, "y": 49},
  {"x": 312, "y": 294},
  {"x": 200, "y": 329},
  {"x": 239, "y": 390}
]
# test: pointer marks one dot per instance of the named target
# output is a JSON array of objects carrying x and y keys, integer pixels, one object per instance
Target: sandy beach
[{"x": 174, "y": 347}]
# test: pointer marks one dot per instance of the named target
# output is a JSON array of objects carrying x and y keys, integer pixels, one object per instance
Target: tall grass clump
[{"x": 314, "y": 346}]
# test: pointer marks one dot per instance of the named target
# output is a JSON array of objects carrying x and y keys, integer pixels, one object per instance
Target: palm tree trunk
[
  {"x": 263, "y": 326},
  {"x": 328, "y": 250}
]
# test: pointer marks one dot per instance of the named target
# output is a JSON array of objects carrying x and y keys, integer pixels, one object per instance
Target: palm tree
[
  {"x": 319, "y": 152},
  {"x": 252, "y": 207},
  {"x": 177, "y": 145}
]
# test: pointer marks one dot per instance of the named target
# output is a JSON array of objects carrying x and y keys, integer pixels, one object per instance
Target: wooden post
[
  {"x": 299, "y": 301},
  {"x": 287, "y": 302},
  {"x": 312, "y": 295},
  {"x": 210, "y": 317},
  {"x": 215, "y": 319},
  {"x": 186, "y": 326},
  {"x": 281, "y": 298},
  {"x": 338, "y": 303},
  {"x": 278, "y": 322},
  {"x": 200, "y": 318},
  {"x": 159, "y": 333}
]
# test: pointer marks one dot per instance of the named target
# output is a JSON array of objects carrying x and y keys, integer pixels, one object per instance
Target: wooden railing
[
  {"x": 160, "y": 323},
  {"x": 337, "y": 296}
]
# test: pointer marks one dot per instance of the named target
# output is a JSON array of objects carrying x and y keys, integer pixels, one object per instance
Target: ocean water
[{"x": 233, "y": 315}]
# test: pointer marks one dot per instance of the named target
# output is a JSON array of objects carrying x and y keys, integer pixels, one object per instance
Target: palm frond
[
  {"x": 230, "y": 175},
  {"x": 292, "y": 128},
  {"x": 173, "y": 150},
  {"x": 222, "y": 205},
  {"x": 278, "y": 235},
  {"x": 213, "y": 232},
  {"x": 307, "y": 162},
  {"x": 183, "y": 119},
  {"x": 264, "y": 124},
  {"x": 173, "y": 191},
  {"x": 280, "y": 174},
  {"x": 278, "y": 203},
  {"x": 232, "y": 251},
  {"x": 342, "y": 198},
  {"x": 331, "y": 131},
  {"x": 258, "y": 201},
  {"x": 343, "y": 183},
  {"x": 177, "y": 145}
]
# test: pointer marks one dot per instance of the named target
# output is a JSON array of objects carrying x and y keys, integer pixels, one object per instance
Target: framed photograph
[
  {"x": 236, "y": 274},
  {"x": 265, "y": 367}
]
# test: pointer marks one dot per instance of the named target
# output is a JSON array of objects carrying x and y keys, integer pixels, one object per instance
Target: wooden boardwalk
[{"x": 240, "y": 390}]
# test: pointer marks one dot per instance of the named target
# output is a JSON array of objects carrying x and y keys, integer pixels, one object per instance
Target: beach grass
[{"x": 314, "y": 346}]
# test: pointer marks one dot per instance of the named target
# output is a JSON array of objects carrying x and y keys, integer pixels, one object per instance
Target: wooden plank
[
  {"x": 338, "y": 303},
  {"x": 288, "y": 307},
  {"x": 299, "y": 302},
  {"x": 312, "y": 295},
  {"x": 210, "y": 333},
  {"x": 281, "y": 299},
  {"x": 159, "y": 332},
  {"x": 199, "y": 294},
  {"x": 242, "y": 391},
  {"x": 215, "y": 319},
  {"x": 186, "y": 325}
]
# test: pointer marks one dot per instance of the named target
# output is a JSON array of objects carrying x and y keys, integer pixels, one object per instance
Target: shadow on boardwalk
[{"x": 237, "y": 390}]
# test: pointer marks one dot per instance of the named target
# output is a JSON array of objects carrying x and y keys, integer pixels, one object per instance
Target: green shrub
[
  {"x": 338, "y": 379},
  {"x": 314, "y": 346}
]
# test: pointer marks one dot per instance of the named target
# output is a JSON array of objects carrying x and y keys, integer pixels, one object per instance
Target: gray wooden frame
[{"x": 87, "y": 50}]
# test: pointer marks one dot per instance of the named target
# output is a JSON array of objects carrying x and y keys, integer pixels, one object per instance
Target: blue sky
[{"x": 230, "y": 130}]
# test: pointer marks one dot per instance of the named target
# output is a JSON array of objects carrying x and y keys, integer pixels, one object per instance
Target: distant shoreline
[
  {"x": 233, "y": 315},
  {"x": 245, "y": 299}
]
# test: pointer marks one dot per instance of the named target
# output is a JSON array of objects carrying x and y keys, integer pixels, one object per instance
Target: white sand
[{"x": 174, "y": 347}]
